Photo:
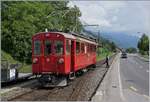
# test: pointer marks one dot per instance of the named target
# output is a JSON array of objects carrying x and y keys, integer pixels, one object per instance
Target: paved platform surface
[{"x": 114, "y": 87}]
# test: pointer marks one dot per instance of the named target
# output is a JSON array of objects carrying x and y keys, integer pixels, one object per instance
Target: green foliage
[
  {"x": 107, "y": 48},
  {"x": 25, "y": 69},
  {"x": 131, "y": 50},
  {"x": 143, "y": 44},
  {"x": 8, "y": 57},
  {"x": 108, "y": 45},
  {"x": 112, "y": 46},
  {"x": 22, "y": 19},
  {"x": 102, "y": 53}
]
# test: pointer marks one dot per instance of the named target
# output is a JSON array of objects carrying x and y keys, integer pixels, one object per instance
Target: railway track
[{"x": 80, "y": 89}]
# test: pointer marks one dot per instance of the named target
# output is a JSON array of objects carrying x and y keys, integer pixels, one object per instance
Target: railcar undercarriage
[
  {"x": 51, "y": 80},
  {"x": 54, "y": 80}
]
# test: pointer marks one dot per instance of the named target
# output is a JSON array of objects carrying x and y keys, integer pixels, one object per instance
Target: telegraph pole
[{"x": 98, "y": 35}]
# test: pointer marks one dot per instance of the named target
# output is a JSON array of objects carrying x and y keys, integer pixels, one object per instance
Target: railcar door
[
  {"x": 59, "y": 55},
  {"x": 48, "y": 56},
  {"x": 53, "y": 55},
  {"x": 72, "y": 55}
]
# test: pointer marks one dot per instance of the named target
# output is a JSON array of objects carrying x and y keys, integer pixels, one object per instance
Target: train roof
[
  {"x": 79, "y": 37},
  {"x": 66, "y": 35}
]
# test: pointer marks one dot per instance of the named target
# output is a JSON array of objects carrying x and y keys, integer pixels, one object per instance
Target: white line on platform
[
  {"x": 120, "y": 84},
  {"x": 133, "y": 88}
]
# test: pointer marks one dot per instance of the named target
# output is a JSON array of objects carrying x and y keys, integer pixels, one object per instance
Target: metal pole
[{"x": 98, "y": 36}]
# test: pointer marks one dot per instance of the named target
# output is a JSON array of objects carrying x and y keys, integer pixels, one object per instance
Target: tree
[
  {"x": 22, "y": 19},
  {"x": 131, "y": 50},
  {"x": 143, "y": 44},
  {"x": 113, "y": 46}
]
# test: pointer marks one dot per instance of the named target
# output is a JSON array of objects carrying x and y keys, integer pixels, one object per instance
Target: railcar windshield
[
  {"x": 48, "y": 47},
  {"x": 58, "y": 46},
  {"x": 37, "y": 47}
]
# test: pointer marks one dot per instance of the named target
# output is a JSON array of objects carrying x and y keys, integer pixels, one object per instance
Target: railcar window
[
  {"x": 82, "y": 48},
  {"x": 77, "y": 47},
  {"x": 68, "y": 46},
  {"x": 48, "y": 47},
  {"x": 37, "y": 47},
  {"x": 90, "y": 47},
  {"x": 94, "y": 49},
  {"x": 58, "y": 47}
]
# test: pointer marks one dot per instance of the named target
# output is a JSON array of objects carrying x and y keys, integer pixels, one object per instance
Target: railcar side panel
[{"x": 85, "y": 58}]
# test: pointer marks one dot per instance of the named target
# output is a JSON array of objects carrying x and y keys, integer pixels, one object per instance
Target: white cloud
[
  {"x": 93, "y": 13},
  {"x": 102, "y": 23},
  {"x": 129, "y": 16},
  {"x": 114, "y": 18}
]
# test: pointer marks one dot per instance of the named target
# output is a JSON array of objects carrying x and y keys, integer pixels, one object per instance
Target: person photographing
[{"x": 107, "y": 61}]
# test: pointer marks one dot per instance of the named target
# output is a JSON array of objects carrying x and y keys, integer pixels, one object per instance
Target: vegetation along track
[{"x": 80, "y": 89}]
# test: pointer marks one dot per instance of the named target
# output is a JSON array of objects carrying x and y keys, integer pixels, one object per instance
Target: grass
[
  {"x": 25, "y": 67},
  {"x": 103, "y": 53}
]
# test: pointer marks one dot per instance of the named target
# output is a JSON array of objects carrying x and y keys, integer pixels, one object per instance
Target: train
[{"x": 58, "y": 56}]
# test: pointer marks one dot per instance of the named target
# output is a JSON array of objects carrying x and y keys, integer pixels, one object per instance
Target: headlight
[
  {"x": 61, "y": 60},
  {"x": 35, "y": 60},
  {"x": 47, "y": 59}
]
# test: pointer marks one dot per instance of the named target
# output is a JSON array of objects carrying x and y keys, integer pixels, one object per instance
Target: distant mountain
[{"x": 121, "y": 39}]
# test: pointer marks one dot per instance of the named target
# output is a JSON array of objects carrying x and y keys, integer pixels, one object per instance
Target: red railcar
[{"x": 57, "y": 55}]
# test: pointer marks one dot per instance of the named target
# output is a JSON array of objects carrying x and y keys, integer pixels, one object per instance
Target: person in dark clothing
[{"x": 107, "y": 61}]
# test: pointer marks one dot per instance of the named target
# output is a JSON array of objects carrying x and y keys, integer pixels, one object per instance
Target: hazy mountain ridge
[{"x": 121, "y": 39}]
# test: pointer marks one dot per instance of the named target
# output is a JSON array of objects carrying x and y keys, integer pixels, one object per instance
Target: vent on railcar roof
[
  {"x": 85, "y": 36},
  {"x": 46, "y": 30},
  {"x": 56, "y": 30}
]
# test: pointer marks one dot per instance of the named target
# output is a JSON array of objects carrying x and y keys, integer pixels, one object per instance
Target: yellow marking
[{"x": 133, "y": 88}]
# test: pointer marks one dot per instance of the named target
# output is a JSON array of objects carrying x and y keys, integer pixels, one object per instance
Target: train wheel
[
  {"x": 94, "y": 66},
  {"x": 79, "y": 73},
  {"x": 72, "y": 75}
]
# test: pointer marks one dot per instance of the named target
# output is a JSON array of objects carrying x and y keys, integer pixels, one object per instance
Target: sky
[{"x": 132, "y": 17}]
